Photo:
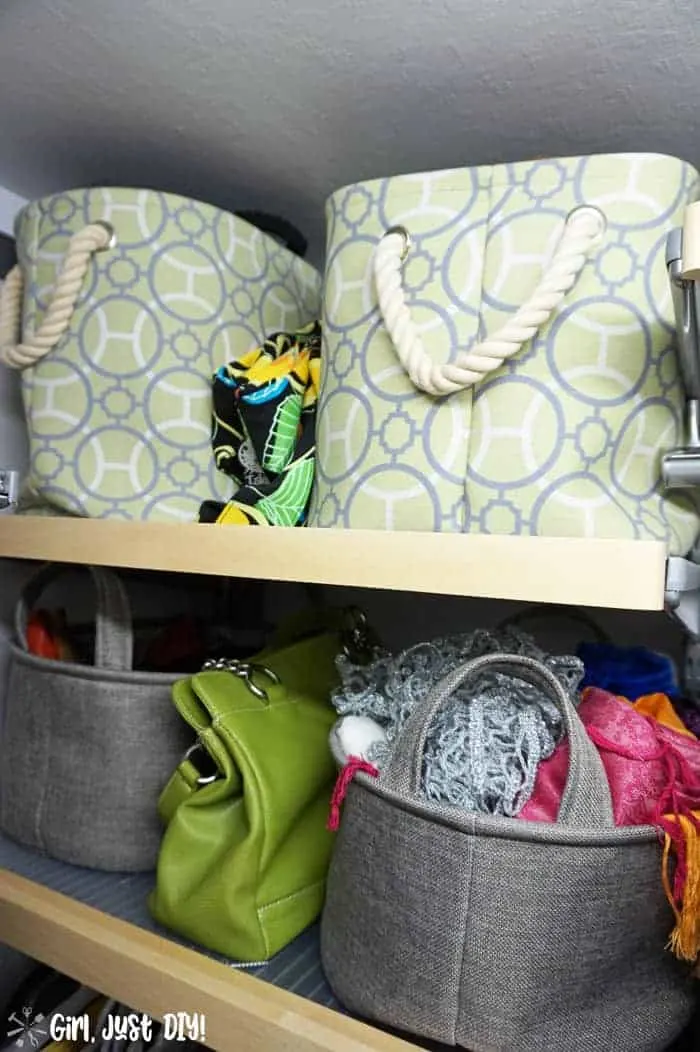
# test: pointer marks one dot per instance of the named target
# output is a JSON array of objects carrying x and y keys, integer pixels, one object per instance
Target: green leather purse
[{"x": 243, "y": 861}]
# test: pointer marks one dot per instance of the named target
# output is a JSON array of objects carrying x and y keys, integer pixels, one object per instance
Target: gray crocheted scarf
[{"x": 484, "y": 746}]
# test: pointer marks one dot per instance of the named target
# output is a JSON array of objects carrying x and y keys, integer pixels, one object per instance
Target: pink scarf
[{"x": 654, "y": 776}]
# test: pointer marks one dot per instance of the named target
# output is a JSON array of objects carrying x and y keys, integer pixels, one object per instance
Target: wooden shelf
[
  {"x": 601, "y": 573},
  {"x": 156, "y": 976}
]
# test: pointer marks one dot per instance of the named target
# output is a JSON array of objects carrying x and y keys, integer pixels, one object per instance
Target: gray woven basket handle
[
  {"x": 114, "y": 636},
  {"x": 586, "y": 800}
]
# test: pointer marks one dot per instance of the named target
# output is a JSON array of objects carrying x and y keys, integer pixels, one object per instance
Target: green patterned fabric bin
[
  {"x": 119, "y": 412},
  {"x": 564, "y": 439}
]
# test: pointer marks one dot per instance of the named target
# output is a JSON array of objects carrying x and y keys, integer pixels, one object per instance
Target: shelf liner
[{"x": 297, "y": 968}]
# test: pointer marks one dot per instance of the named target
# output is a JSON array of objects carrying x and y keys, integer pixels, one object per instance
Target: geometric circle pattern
[
  {"x": 566, "y": 438},
  {"x": 119, "y": 413}
]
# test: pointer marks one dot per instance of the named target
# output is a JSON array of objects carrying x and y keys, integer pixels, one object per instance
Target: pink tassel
[{"x": 353, "y": 765}]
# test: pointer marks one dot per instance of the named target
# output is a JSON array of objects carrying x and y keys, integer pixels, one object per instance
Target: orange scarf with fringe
[{"x": 681, "y": 857}]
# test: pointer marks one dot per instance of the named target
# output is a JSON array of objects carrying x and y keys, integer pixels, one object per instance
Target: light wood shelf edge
[
  {"x": 599, "y": 573},
  {"x": 155, "y": 976}
]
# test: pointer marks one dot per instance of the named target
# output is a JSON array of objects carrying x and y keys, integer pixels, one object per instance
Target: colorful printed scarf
[{"x": 263, "y": 435}]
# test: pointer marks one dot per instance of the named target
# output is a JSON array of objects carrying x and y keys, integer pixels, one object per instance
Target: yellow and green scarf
[{"x": 263, "y": 430}]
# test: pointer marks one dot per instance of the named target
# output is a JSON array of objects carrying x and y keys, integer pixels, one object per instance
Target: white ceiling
[{"x": 273, "y": 104}]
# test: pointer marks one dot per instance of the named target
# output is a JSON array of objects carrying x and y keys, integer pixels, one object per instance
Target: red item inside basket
[{"x": 46, "y": 635}]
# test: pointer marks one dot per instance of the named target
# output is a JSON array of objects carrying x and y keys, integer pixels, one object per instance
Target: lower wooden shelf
[{"x": 101, "y": 934}]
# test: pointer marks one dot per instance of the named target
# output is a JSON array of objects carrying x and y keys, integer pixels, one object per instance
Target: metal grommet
[
  {"x": 403, "y": 233},
  {"x": 594, "y": 213},
  {"x": 112, "y": 243}
]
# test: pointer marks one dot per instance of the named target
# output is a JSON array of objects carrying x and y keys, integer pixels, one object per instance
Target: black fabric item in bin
[{"x": 8, "y": 255}]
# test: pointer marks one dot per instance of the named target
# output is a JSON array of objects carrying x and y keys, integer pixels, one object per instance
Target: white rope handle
[
  {"x": 81, "y": 248},
  {"x": 584, "y": 227}
]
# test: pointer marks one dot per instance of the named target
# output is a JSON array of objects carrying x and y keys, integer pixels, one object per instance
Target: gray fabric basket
[
  {"x": 495, "y": 934},
  {"x": 85, "y": 751}
]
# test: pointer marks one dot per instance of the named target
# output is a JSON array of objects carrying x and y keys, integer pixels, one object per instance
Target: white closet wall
[
  {"x": 10, "y": 205},
  {"x": 274, "y": 105}
]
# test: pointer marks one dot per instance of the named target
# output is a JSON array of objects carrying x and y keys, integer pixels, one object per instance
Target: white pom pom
[{"x": 354, "y": 736}]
